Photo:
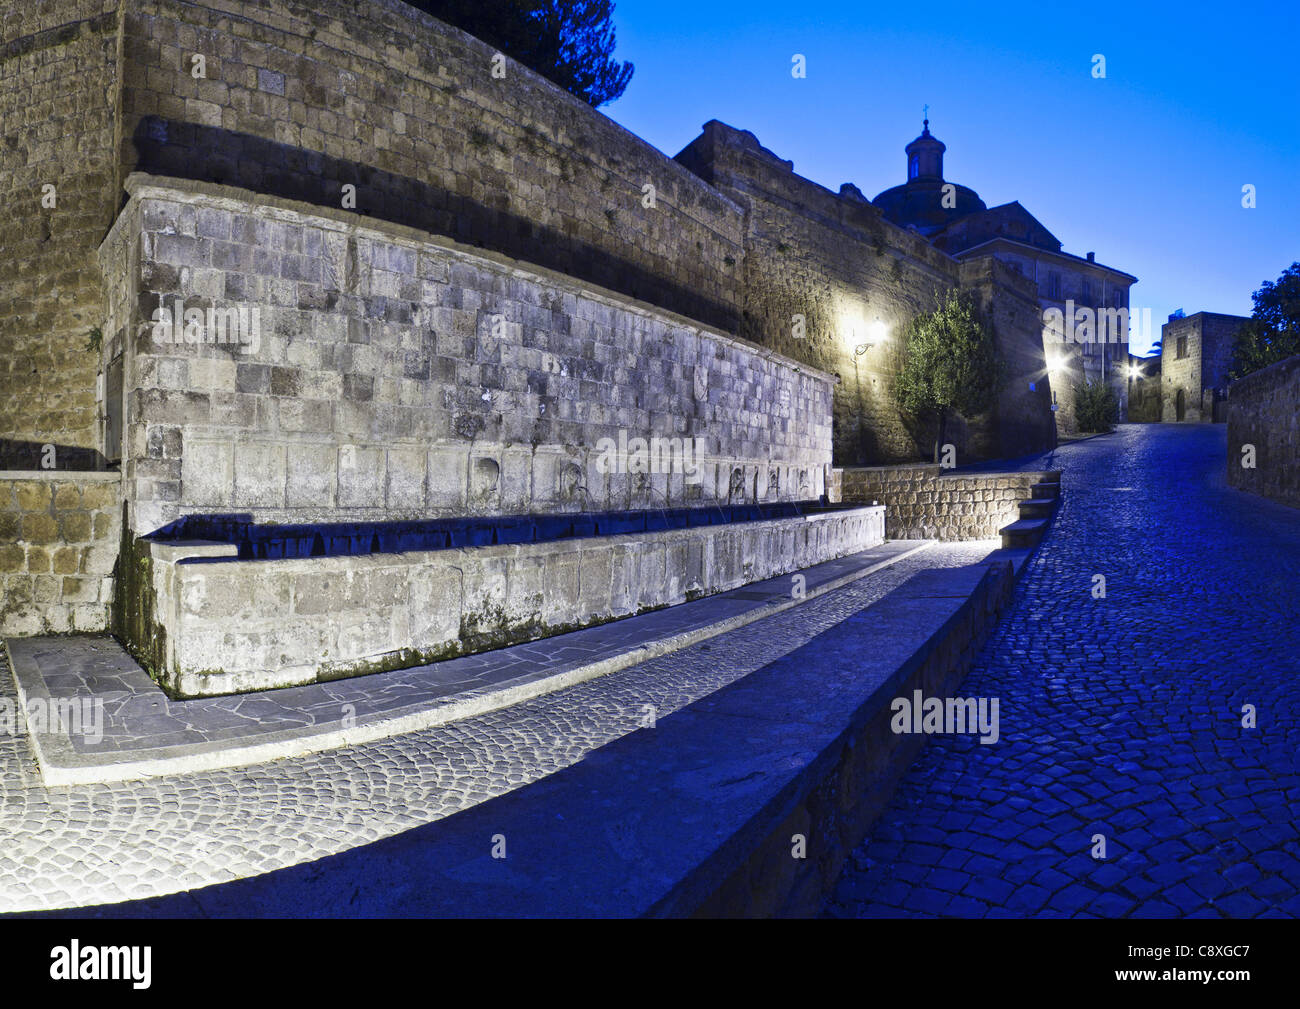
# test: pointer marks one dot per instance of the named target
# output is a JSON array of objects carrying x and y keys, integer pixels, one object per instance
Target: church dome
[{"x": 920, "y": 202}]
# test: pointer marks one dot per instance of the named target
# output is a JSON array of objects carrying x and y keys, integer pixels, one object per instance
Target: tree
[
  {"x": 1095, "y": 407},
  {"x": 569, "y": 42},
  {"x": 1273, "y": 331},
  {"x": 951, "y": 363}
]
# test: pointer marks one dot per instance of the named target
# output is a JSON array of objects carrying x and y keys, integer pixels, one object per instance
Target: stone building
[
  {"x": 1195, "y": 354},
  {"x": 955, "y": 220}
]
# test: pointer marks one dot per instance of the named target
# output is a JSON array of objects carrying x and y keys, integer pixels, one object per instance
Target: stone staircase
[{"x": 1035, "y": 516}]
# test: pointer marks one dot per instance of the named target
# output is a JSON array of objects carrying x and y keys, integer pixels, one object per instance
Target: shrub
[{"x": 1095, "y": 407}]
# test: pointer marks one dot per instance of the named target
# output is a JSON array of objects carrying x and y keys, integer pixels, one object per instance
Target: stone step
[
  {"x": 1047, "y": 489},
  {"x": 1023, "y": 533},
  {"x": 1040, "y": 507}
]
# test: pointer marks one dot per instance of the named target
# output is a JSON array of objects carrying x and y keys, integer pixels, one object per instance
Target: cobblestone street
[{"x": 1120, "y": 716}]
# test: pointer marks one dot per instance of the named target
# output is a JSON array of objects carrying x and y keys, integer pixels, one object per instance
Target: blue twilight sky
[{"x": 1145, "y": 167}]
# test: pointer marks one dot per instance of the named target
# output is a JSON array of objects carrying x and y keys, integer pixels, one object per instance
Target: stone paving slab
[{"x": 145, "y": 733}]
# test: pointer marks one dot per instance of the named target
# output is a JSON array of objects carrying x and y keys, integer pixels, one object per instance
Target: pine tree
[{"x": 569, "y": 42}]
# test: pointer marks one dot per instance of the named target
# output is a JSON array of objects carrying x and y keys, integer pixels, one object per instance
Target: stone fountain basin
[{"x": 222, "y": 623}]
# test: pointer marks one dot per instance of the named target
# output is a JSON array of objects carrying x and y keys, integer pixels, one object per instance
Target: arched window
[{"x": 914, "y": 167}]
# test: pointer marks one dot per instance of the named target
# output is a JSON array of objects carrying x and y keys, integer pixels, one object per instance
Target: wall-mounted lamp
[{"x": 877, "y": 333}]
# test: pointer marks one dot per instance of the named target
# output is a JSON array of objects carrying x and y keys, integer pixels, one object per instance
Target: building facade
[{"x": 1196, "y": 352}]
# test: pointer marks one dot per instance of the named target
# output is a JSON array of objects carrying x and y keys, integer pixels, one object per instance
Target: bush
[{"x": 1095, "y": 407}]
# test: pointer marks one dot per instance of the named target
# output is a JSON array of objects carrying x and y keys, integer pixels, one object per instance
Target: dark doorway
[{"x": 1180, "y": 405}]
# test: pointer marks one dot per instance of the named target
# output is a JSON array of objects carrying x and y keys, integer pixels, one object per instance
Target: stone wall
[
  {"x": 401, "y": 377},
  {"x": 58, "y": 107},
  {"x": 925, "y": 502},
  {"x": 1145, "y": 402},
  {"x": 223, "y": 625},
  {"x": 309, "y": 96},
  {"x": 1020, "y": 422},
  {"x": 1264, "y": 411},
  {"x": 59, "y": 535}
]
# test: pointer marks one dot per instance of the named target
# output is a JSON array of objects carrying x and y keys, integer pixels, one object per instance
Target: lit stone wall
[
  {"x": 58, "y": 105},
  {"x": 398, "y": 376},
  {"x": 924, "y": 502}
]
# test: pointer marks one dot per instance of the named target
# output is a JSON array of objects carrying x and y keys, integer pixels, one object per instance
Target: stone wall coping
[
  {"x": 1042, "y": 474},
  {"x": 71, "y": 475},
  {"x": 143, "y": 186},
  {"x": 1278, "y": 371}
]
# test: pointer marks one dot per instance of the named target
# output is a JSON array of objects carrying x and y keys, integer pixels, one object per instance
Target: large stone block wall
[
  {"x": 58, "y": 109},
  {"x": 382, "y": 389},
  {"x": 228, "y": 625},
  {"x": 305, "y": 97},
  {"x": 59, "y": 535},
  {"x": 833, "y": 260},
  {"x": 1264, "y": 411},
  {"x": 925, "y": 502}
]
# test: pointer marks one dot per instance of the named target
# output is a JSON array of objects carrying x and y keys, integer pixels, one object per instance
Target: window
[
  {"x": 1054, "y": 285},
  {"x": 1117, "y": 298},
  {"x": 1182, "y": 346},
  {"x": 1087, "y": 292},
  {"x": 914, "y": 167}
]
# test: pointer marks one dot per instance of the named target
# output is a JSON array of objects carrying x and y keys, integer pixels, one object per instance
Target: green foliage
[
  {"x": 569, "y": 42},
  {"x": 95, "y": 340},
  {"x": 951, "y": 361},
  {"x": 1095, "y": 407},
  {"x": 1273, "y": 332}
]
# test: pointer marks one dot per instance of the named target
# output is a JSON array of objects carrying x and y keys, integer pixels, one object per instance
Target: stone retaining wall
[
  {"x": 400, "y": 376},
  {"x": 59, "y": 535},
  {"x": 215, "y": 625},
  {"x": 1264, "y": 411},
  {"x": 926, "y": 502}
]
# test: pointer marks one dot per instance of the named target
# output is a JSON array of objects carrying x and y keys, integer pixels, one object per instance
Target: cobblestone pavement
[
  {"x": 79, "y": 845},
  {"x": 1121, "y": 716}
]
